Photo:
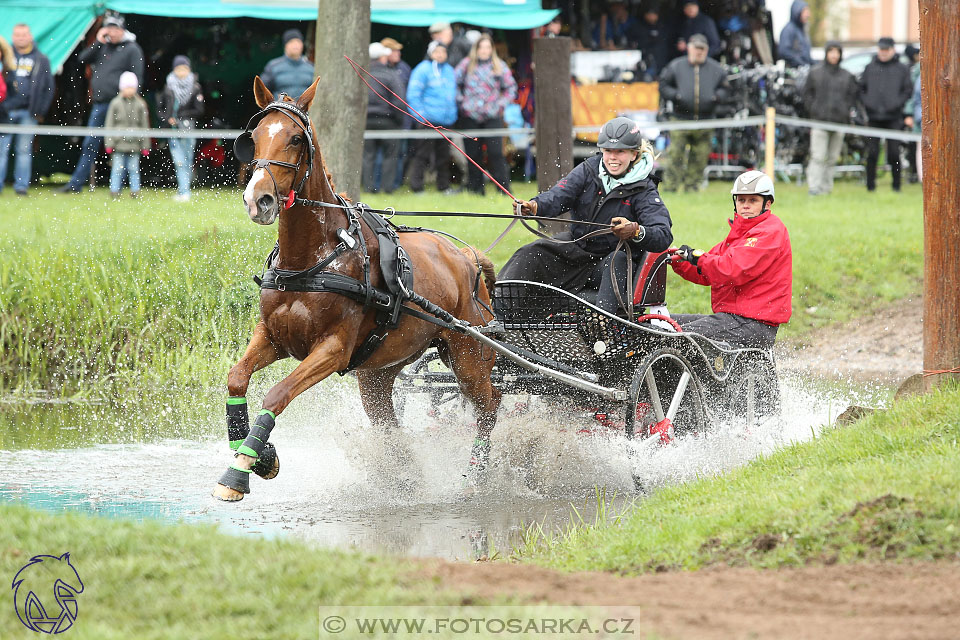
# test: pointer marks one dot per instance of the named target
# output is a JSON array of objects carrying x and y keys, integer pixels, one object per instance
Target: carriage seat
[{"x": 650, "y": 281}]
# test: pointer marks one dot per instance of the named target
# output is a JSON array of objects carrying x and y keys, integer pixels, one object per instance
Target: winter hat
[
  {"x": 179, "y": 60},
  {"x": 698, "y": 40},
  {"x": 437, "y": 27},
  {"x": 433, "y": 46},
  {"x": 391, "y": 44},
  {"x": 128, "y": 79},
  {"x": 113, "y": 21},
  {"x": 377, "y": 50},
  {"x": 290, "y": 34},
  {"x": 885, "y": 43},
  {"x": 910, "y": 50}
]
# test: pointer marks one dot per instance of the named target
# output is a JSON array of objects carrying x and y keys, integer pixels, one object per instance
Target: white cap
[{"x": 378, "y": 50}]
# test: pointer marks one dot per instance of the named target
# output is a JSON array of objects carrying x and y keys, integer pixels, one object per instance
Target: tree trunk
[
  {"x": 940, "y": 79},
  {"x": 554, "y": 112},
  {"x": 339, "y": 111}
]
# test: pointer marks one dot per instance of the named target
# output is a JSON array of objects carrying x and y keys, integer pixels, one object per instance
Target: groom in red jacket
[{"x": 750, "y": 273}]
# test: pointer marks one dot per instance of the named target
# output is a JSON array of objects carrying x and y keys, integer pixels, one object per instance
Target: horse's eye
[{"x": 296, "y": 140}]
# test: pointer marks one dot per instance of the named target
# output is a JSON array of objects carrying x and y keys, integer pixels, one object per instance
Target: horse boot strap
[{"x": 238, "y": 423}]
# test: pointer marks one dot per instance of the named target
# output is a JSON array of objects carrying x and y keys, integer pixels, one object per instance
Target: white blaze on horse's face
[
  {"x": 253, "y": 193},
  {"x": 274, "y": 129}
]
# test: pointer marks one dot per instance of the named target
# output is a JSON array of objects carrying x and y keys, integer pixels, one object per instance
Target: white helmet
[{"x": 753, "y": 183}]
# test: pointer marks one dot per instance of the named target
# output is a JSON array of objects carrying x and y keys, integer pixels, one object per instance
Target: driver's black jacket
[{"x": 581, "y": 193}]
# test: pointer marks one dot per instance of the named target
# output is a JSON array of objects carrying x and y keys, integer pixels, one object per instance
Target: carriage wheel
[
  {"x": 405, "y": 387},
  {"x": 665, "y": 398},
  {"x": 753, "y": 398}
]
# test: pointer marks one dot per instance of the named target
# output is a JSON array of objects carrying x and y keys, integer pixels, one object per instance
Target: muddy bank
[{"x": 868, "y": 601}]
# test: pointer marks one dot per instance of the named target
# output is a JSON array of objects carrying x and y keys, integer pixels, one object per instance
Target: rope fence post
[{"x": 769, "y": 141}]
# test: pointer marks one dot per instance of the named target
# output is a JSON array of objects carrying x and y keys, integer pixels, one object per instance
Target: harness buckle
[
  {"x": 281, "y": 287},
  {"x": 346, "y": 238}
]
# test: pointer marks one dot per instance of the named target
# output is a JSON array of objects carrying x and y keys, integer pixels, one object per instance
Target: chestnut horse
[{"x": 324, "y": 329}]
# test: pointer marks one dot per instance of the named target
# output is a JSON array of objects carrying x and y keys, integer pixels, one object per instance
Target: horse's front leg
[
  {"x": 329, "y": 356},
  {"x": 259, "y": 354}
]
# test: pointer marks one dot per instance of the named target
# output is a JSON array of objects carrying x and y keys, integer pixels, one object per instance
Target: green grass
[
  {"x": 884, "y": 488},
  {"x": 151, "y": 580},
  {"x": 97, "y": 295}
]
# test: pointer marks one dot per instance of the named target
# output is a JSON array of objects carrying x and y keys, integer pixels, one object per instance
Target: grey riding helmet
[
  {"x": 753, "y": 183},
  {"x": 620, "y": 133}
]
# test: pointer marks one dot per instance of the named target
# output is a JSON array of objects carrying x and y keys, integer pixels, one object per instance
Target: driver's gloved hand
[{"x": 688, "y": 254}]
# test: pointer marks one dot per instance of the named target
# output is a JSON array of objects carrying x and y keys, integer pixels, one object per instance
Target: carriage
[{"x": 645, "y": 376}]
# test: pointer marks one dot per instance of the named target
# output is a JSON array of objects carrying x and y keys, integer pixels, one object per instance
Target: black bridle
[{"x": 244, "y": 148}]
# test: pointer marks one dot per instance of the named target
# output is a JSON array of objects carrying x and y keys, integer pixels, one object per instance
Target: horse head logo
[{"x": 55, "y": 579}]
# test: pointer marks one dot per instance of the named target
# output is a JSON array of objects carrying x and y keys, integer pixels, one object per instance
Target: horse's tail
[{"x": 484, "y": 264}]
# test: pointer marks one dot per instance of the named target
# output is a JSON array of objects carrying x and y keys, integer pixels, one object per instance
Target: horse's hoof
[
  {"x": 267, "y": 465},
  {"x": 226, "y": 494}
]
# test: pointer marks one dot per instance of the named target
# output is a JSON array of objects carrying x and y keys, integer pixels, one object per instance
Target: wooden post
[
  {"x": 770, "y": 141},
  {"x": 339, "y": 111},
  {"x": 940, "y": 79},
  {"x": 554, "y": 113}
]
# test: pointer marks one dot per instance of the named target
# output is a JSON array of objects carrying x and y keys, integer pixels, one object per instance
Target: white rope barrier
[{"x": 670, "y": 125}]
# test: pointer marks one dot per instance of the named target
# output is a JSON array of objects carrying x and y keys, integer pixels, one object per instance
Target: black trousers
[
  {"x": 425, "y": 149},
  {"x": 391, "y": 148},
  {"x": 893, "y": 153},
  {"x": 728, "y": 327},
  {"x": 573, "y": 269},
  {"x": 474, "y": 148}
]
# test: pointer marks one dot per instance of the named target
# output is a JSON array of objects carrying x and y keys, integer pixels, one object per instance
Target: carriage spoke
[
  {"x": 678, "y": 395},
  {"x": 654, "y": 394},
  {"x": 751, "y": 399}
]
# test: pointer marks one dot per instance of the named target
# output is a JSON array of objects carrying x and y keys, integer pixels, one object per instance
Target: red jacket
[{"x": 750, "y": 273}]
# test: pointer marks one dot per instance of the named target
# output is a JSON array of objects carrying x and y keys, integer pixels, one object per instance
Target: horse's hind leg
[
  {"x": 319, "y": 364},
  {"x": 472, "y": 370},
  {"x": 376, "y": 394}
]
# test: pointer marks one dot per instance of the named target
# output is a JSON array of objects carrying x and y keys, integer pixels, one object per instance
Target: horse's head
[{"x": 280, "y": 150}]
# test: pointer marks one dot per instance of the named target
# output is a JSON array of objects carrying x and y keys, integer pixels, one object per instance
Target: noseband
[{"x": 244, "y": 147}]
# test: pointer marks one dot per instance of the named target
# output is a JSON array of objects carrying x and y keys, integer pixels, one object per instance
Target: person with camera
[
  {"x": 115, "y": 51},
  {"x": 695, "y": 85},
  {"x": 613, "y": 187}
]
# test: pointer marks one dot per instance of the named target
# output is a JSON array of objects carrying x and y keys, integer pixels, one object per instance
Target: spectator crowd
[{"x": 463, "y": 79}]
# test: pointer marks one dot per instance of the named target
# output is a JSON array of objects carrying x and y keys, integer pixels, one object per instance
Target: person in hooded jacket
[
  {"x": 432, "y": 93},
  {"x": 179, "y": 105},
  {"x": 794, "y": 45},
  {"x": 829, "y": 94},
  {"x": 115, "y": 51},
  {"x": 750, "y": 273},
  {"x": 885, "y": 88},
  {"x": 615, "y": 188}
]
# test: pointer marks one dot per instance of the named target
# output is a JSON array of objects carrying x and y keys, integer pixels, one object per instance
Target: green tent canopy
[{"x": 59, "y": 25}]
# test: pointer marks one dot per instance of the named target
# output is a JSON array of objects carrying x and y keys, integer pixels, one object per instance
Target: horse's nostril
[{"x": 265, "y": 203}]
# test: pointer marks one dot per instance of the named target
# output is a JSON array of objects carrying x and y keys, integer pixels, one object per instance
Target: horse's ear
[
  {"x": 261, "y": 94},
  {"x": 306, "y": 98}
]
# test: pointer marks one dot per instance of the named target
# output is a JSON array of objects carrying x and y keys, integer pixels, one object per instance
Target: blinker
[{"x": 243, "y": 147}]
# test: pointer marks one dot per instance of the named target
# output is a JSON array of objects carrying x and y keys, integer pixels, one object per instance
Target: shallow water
[{"x": 344, "y": 484}]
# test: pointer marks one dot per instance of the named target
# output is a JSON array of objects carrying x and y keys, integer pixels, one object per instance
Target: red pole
[{"x": 940, "y": 79}]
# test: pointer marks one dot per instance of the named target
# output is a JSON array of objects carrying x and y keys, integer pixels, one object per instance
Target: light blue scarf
[{"x": 640, "y": 170}]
